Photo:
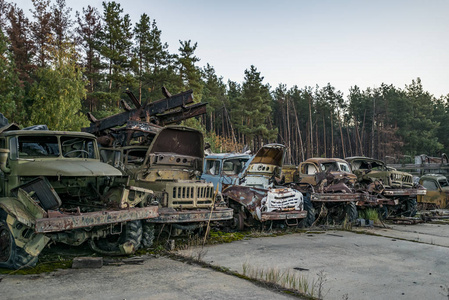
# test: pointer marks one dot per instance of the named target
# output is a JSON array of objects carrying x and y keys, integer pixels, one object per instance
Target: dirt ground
[{"x": 398, "y": 262}]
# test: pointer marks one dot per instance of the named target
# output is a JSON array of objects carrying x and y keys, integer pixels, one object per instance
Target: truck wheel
[
  {"x": 310, "y": 218},
  {"x": 147, "y": 234},
  {"x": 410, "y": 207},
  {"x": 341, "y": 212},
  {"x": 11, "y": 256},
  {"x": 351, "y": 212},
  {"x": 129, "y": 239},
  {"x": 239, "y": 220}
]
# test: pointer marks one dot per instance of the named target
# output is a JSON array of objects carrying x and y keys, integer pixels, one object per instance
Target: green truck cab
[
  {"x": 53, "y": 187},
  {"x": 171, "y": 166}
]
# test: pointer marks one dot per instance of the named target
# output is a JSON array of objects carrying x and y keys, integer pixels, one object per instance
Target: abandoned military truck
[
  {"x": 171, "y": 167},
  {"x": 394, "y": 189},
  {"x": 53, "y": 188}
]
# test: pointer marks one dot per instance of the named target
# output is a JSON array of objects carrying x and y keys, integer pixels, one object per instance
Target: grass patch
[
  {"x": 369, "y": 214},
  {"x": 288, "y": 279},
  {"x": 218, "y": 237}
]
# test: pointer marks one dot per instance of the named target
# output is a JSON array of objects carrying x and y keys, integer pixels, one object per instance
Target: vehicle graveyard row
[{"x": 133, "y": 175}]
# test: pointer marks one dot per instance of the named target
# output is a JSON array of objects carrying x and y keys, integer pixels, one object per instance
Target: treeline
[{"x": 55, "y": 69}]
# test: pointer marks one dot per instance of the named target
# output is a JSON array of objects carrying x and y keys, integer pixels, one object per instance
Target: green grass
[{"x": 369, "y": 214}]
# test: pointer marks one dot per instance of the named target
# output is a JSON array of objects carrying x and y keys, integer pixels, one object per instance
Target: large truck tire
[
  {"x": 127, "y": 242},
  {"x": 310, "y": 218},
  {"x": 12, "y": 256}
]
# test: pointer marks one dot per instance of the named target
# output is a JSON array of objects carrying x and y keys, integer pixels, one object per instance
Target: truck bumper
[
  {"x": 283, "y": 215},
  {"x": 404, "y": 192},
  {"x": 336, "y": 197},
  {"x": 57, "y": 221},
  {"x": 170, "y": 215}
]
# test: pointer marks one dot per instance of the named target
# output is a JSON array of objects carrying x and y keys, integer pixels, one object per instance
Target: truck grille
[
  {"x": 188, "y": 196},
  {"x": 283, "y": 200},
  {"x": 401, "y": 180}
]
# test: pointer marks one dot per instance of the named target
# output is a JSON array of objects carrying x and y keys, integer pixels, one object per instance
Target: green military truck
[
  {"x": 53, "y": 187},
  {"x": 166, "y": 159},
  {"x": 171, "y": 167},
  {"x": 394, "y": 189}
]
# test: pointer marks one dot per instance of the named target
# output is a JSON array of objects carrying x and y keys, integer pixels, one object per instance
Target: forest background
[{"x": 55, "y": 69}]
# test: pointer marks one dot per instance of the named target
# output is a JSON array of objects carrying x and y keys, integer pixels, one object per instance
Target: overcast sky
[{"x": 305, "y": 43}]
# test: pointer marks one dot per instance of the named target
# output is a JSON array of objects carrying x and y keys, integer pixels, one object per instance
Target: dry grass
[{"x": 289, "y": 279}]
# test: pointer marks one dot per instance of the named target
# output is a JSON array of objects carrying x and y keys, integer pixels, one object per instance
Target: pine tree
[
  {"x": 214, "y": 93},
  {"x": 4, "y": 8},
  {"x": 41, "y": 29},
  {"x": 61, "y": 22},
  {"x": 89, "y": 26},
  {"x": 22, "y": 47},
  {"x": 115, "y": 47},
  {"x": 11, "y": 91},
  {"x": 256, "y": 109},
  {"x": 189, "y": 73}
]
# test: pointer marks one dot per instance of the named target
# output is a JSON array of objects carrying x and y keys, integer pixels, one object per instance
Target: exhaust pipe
[{"x": 3, "y": 159}]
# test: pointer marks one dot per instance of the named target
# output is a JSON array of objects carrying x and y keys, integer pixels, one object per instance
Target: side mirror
[{"x": 3, "y": 160}]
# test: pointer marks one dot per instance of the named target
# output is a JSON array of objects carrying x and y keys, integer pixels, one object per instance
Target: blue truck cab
[{"x": 225, "y": 168}]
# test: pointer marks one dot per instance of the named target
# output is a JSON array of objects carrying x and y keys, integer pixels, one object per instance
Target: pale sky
[{"x": 305, "y": 43}]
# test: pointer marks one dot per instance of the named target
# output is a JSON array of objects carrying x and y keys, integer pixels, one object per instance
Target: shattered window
[
  {"x": 309, "y": 169},
  {"x": 111, "y": 157},
  {"x": 136, "y": 157},
  {"x": 329, "y": 167},
  {"x": 344, "y": 167},
  {"x": 213, "y": 167},
  {"x": 443, "y": 182},
  {"x": 430, "y": 185},
  {"x": 233, "y": 166},
  {"x": 38, "y": 146},
  {"x": 77, "y": 147}
]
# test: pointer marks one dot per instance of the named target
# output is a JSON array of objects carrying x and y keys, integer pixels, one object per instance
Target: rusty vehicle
[
  {"x": 171, "y": 167},
  {"x": 395, "y": 190},
  {"x": 54, "y": 188},
  {"x": 258, "y": 198},
  {"x": 437, "y": 191},
  {"x": 165, "y": 158},
  {"x": 330, "y": 182},
  {"x": 224, "y": 169}
]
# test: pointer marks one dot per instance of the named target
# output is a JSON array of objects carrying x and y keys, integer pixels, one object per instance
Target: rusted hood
[
  {"x": 64, "y": 167},
  {"x": 179, "y": 140},
  {"x": 271, "y": 154}
]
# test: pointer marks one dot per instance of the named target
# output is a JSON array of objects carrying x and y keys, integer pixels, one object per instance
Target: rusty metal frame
[
  {"x": 170, "y": 215},
  {"x": 283, "y": 215},
  {"x": 56, "y": 221}
]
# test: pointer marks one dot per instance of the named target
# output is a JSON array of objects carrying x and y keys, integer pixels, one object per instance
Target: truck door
[
  {"x": 434, "y": 193},
  {"x": 307, "y": 172}
]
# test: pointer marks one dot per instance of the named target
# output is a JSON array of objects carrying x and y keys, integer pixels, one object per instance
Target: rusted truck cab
[
  {"x": 437, "y": 191},
  {"x": 330, "y": 181},
  {"x": 394, "y": 189},
  {"x": 53, "y": 187},
  {"x": 171, "y": 167},
  {"x": 258, "y": 197}
]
